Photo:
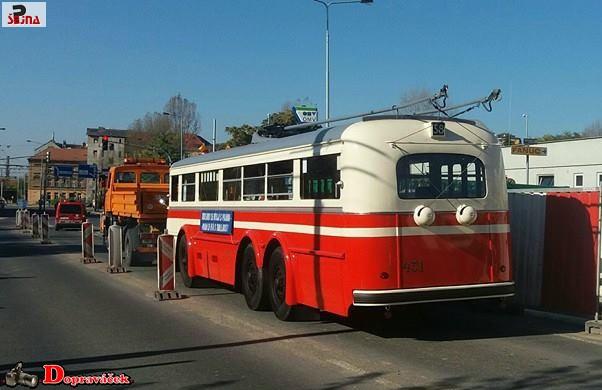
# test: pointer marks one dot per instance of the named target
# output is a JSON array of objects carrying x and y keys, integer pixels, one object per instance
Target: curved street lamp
[{"x": 327, "y": 5}]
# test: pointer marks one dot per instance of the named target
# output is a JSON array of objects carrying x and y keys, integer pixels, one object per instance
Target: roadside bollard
[
  {"x": 18, "y": 218},
  {"x": 115, "y": 250},
  {"x": 35, "y": 226},
  {"x": 25, "y": 222},
  {"x": 44, "y": 229},
  {"x": 166, "y": 282},
  {"x": 88, "y": 243}
]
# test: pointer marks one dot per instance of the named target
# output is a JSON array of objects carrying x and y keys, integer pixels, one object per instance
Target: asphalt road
[{"x": 54, "y": 309}]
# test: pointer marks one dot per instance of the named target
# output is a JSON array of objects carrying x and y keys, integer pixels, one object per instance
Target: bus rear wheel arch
[{"x": 182, "y": 262}]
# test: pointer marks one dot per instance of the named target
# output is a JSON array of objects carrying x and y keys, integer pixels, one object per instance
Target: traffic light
[{"x": 105, "y": 142}]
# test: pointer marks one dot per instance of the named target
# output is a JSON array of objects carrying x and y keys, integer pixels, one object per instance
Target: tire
[
  {"x": 251, "y": 281},
  {"x": 182, "y": 255},
  {"x": 277, "y": 289},
  {"x": 56, "y": 228}
]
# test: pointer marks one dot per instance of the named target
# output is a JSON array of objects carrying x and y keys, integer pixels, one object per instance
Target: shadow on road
[
  {"x": 141, "y": 354},
  {"x": 451, "y": 321},
  {"x": 35, "y": 249},
  {"x": 588, "y": 376},
  {"x": 352, "y": 381}
]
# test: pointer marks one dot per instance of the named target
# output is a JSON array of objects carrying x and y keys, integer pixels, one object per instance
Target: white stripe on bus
[{"x": 355, "y": 232}]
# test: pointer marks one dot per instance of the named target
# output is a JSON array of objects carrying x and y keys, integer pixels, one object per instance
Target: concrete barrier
[
  {"x": 166, "y": 270},
  {"x": 35, "y": 226},
  {"x": 115, "y": 250},
  {"x": 25, "y": 222},
  {"x": 88, "y": 243},
  {"x": 44, "y": 229},
  {"x": 18, "y": 219}
]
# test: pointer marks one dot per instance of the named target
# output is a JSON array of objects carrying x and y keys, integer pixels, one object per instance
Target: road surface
[{"x": 54, "y": 309}]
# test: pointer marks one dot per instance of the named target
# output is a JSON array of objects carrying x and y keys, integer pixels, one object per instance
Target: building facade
[
  {"x": 42, "y": 179},
  {"x": 573, "y": 162},
  {"x": 103, "y": 159}
]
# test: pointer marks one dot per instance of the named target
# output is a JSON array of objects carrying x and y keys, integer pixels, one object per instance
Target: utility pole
[
  {"x": 526, "y": 116},
  {"x": 7, "y": 172},
  {"x": 214, "y": 134}
]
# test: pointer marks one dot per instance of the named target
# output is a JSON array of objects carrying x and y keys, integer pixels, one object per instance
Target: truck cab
[{"x": 133, "y": 200}]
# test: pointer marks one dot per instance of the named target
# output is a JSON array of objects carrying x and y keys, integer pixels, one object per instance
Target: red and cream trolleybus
[{"x": 391, "y": 210}]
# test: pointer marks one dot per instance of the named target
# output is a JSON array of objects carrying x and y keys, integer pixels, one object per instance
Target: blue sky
[{"x": 105, "y": 63}]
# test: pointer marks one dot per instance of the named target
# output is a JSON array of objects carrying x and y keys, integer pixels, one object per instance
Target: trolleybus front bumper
[{"x": 408, "y": 296}]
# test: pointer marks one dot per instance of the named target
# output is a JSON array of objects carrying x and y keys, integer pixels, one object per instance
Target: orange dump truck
[{"x": 135, "y": 198}]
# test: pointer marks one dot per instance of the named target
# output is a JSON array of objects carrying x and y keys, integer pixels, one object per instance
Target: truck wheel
[
  {"x": 251, "y": 279},
  {"x": 277, "y": 283}
]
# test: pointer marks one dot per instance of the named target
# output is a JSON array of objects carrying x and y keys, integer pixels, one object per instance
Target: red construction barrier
[
  {"x": 166, "y": 269},
  {"x": 88, "y": 243}
]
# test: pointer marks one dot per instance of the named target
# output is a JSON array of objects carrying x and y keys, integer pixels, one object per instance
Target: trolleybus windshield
[{"x": 440, "y": 175}]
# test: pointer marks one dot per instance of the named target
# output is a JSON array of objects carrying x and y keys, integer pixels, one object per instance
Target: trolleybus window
[
  {"x": 254, "y": 182},
  {"x": 174, "y": 188},
  {"x": 208, "y": 183},
  {"x": 440, "y": 175},
  {"x": 319, "y": 176},
  {"x": 232, "y": 183},
  {"x": 280, "y": 180},
  {"x": 188, "y": 182},
  {"x": 149, "y": 177}
]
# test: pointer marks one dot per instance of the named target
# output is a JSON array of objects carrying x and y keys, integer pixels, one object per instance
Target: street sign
[
  {"x": 63, "y": 170},
  {"x": 86, "y": 171},
  {"x": 525, "y": 150}
]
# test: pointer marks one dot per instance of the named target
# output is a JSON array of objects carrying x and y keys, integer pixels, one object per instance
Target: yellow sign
[{"x": 526, "y": 150}]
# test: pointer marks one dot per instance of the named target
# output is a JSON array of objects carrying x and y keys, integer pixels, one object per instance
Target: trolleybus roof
[{"x": 316, "y": 137}]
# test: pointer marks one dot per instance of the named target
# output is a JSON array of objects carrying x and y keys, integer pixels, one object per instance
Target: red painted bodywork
[
  {"x": 570, "y": 252},
  {"x": 323, "y": 271}
]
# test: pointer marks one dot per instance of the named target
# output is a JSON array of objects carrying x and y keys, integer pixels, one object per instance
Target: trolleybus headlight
[
  {"x": 424, "y": 215},
  {"x": 466, "y": 215}
]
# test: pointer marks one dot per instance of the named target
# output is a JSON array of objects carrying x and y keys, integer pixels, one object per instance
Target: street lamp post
[
  {"x": 526, "y": 116},
  {"x": 327, "y": 5}
]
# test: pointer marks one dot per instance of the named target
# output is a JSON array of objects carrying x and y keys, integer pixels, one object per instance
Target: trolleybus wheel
[
  {"x": 182, "y": 255},
  {"x": 251, "y": 279},
  {"x": 277, "y": 283}
]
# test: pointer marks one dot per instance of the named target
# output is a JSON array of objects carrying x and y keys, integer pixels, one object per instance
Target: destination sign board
[
  {"x": 217, "y": 221},
  {"x": 526, "y": 150}
]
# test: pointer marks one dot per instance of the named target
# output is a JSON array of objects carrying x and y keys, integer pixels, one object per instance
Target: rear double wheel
[
  {"x": 277, "y": 286},
  {"x": 251, "y": 280}
]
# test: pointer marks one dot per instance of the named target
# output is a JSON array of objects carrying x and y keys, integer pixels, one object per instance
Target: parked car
[{"x": 69, "y": 214}]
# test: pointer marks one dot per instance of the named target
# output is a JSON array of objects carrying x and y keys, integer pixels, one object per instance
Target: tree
[
  {"x": 181, "y": 109},
  {"x": 240, "y": 135},
  {"x": 593, "y": 130},
  {"x": 557, "y": 137},
  {"x": 152, "y": 136},
  {"x": 284, "y": 117},
  {"x": 415, "y": 94}
]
